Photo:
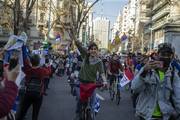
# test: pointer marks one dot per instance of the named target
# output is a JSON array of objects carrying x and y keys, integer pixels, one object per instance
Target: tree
[
  {"x": 21, "y": 18},
  {"x": 6, "y": 17},
  {"x": 78, "y": 11},
  {"x": 29, "y": 7}
]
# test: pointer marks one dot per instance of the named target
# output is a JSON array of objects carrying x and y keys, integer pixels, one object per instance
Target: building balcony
[
  {"x": 159, "y": 4},
  {"x": 159, "y": 24},
  {"x": 161, "y": 14},
  {"x": 144, "y": 19}
]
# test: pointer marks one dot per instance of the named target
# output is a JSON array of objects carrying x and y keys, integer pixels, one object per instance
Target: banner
[{"x": 127, "y": 77}]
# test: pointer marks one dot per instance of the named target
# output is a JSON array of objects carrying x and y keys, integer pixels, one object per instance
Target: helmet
[{"x": 166, "y": 47}]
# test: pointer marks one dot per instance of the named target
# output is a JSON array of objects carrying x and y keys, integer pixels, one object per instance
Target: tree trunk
[
  {"x": 25, "y": 24},
  {"x": 16, "y": 11}
]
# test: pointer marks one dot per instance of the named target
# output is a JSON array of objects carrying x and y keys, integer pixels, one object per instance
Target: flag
[
  {"x": 124, "y": 38},
  {"x": 127, "y": 77},
  {"x": 58, "y": 38},
  {"x": 113, "y": 42},
  {"x": 96, "y": 104}
]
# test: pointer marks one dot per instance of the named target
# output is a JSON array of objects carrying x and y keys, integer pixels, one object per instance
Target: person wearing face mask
[{"x": 158, "y": 85}]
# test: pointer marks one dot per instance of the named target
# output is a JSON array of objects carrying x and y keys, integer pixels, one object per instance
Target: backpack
[{"x": 34, "y": 86}]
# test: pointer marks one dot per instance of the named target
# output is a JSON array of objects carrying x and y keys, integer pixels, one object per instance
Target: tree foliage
[
  {"x": 78, "y": 11},
  {"x": 22, "y": 10}
]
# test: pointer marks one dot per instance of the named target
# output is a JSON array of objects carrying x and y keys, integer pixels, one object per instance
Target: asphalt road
[{"x": 60, "y": 105}]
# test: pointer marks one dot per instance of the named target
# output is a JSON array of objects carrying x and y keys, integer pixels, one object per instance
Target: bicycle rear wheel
[
  {"x": 89, "y": 115},
  {"x": 118, "y": 97},
  {"x": 82, "y": 114},
  {"x": 112, "y": 94}
]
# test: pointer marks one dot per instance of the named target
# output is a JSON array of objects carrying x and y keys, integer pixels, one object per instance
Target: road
[{"x": 60, "y": 105}]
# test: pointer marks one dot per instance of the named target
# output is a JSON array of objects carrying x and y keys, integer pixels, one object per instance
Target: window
[{"x": 42, "y": 17}]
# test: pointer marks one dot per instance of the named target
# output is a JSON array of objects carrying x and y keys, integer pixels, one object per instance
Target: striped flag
[
  {"x": 124, "y": 38},
  {"x": 58, "y": 38},
  {"x": 97, "y": 105},
  {"x": 127, "y": 77}
]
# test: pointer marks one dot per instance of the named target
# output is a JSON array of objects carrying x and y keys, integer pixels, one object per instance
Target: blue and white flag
[
  {"x": 58, "y": 38},
  {"x": 124, "y": 38},
  {"x": 97, "y": 105}
]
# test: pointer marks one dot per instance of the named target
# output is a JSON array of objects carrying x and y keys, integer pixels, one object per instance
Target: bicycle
[
  {"x": 118, "y": 91},
  {"x": 86, "y": 110},
  {"x": 115, "y": 90}
]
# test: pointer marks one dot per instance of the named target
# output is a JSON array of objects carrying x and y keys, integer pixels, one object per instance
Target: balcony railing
[
  {"x": 159, "y": 4},
  {"x": 161, "y": 13},
  {"x": 159, "y": 24}
]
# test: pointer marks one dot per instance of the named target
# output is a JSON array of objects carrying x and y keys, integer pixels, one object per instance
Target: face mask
[{"x": 166, "y": 62}]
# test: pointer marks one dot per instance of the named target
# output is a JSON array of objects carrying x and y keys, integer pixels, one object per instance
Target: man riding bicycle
[
  {"x": 115, "y": 68},
  {"x": 89, "y": 68}
]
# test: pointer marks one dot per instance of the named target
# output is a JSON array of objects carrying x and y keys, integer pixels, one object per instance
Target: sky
[{"x": 109, "y": 9}]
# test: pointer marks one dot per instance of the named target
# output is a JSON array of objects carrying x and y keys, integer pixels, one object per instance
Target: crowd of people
[{"x": 154, "y": 88}]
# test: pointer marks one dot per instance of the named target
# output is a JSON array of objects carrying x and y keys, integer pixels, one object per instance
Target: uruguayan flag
[{"x": 97, "y": 105}]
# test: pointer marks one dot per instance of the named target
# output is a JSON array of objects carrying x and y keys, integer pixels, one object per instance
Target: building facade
[
  {"x": 101, "y": 31},
  {"x": 116, "y": 26},
  {"x": 125, "y": 19},
  {"x": 165, "y": 20}
]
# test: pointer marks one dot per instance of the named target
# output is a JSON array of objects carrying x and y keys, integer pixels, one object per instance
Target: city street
[
  {"x": 59, "y": 104},
  {"x": 132, "y": 41}
]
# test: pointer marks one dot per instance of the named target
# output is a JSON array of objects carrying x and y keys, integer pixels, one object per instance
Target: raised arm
[
  {"x": 7, "y": 97},
  {"x": 82, "y": 50},
  {"x": 138, "y": 84}
]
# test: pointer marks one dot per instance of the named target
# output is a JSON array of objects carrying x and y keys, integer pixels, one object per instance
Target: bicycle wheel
[
  {"x": 88, "y": 114},
  {"x": 112, "y": 93},
  {"x": 82, "y": 114},
  {"x": 118, "y": 97}
]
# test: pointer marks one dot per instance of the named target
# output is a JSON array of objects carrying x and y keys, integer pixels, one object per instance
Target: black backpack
[{"x": 34, "y": 85}]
